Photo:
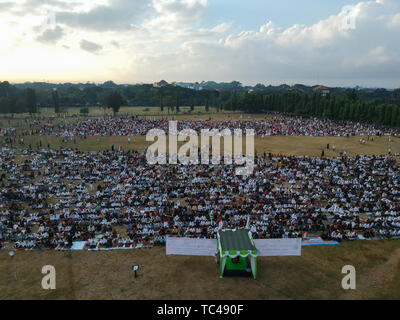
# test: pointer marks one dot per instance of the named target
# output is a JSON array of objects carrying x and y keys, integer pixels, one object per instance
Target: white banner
[
  {"x": 191, "y": 247},
  {"x": 278, "y": 247}
]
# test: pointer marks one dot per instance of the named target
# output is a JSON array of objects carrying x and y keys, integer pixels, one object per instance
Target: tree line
[{"x": 350, "y": 106}]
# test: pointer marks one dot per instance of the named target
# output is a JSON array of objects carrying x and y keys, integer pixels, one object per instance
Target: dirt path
[{"x": 376, "y": 282}]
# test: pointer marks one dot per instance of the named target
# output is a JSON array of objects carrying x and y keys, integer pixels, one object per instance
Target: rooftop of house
[
  {"x": 162, "y": 83},
  {"x": 321, "y": 88}
]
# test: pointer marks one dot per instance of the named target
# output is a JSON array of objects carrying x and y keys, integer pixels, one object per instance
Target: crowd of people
[
  {"x": 8, "y": 132},
  {"x": 131, "y": 126},
  {"x": 50, "y": 199}
]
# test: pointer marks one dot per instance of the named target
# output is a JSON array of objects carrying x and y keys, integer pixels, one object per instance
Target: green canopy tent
[
  {"x": 237, "y": 250},
  {"x": 238, "y": 254}
]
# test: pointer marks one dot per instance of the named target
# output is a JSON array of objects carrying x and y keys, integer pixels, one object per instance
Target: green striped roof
[{"x": 238, "y": 240}]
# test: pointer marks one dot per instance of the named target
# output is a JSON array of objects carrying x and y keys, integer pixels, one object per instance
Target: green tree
[
  {"x": 5, "y": 105},
  {"x": 161, "y": 104},
  {"x": 352, "y": 95},
  {"x": 20, "y": 106},
  {"x": 56, "y": 101},
  {"x": 191, "y": 104},
  {"x": 114, "y": 101},
  {"x": 30, "y": 101},
  {"x": 371, "y": 113},
  {"x": 169, "y": 103},
  {"x": 395, "y": 115},
  {"x": 207, "y": 106},
  {"x": 381, "y": 114},
  {"x": 177, "y": 103},
  {"x": 388, "y": 115},
  {"x": 234, "y": 101}
]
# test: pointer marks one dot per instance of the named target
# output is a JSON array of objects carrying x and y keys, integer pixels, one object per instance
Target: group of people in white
[
  {"x": 50, "y": 199},
  {"x": 126, "y": 125}
]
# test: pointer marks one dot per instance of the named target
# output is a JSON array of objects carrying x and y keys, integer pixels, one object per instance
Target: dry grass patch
[
  {"x": 108, "y": 275},
  {"x": 309, "y": 146}
]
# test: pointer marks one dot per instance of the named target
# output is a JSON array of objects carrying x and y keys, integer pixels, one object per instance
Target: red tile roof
[
  {"x": 163, "y": 83},
  {"x": 321, "y": 88}
]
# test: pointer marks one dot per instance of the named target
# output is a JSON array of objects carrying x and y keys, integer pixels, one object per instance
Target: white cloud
[
  {"x": 117, "y": 15},
  {"x": 178, "y": 12},
  {"x": 323, "y": 52},
  {"x": 140, "y": 40},
  {"x": 395, "y": 22},
  {"x": 51, "y": 36},
  {"x": 90, "y": 46}
]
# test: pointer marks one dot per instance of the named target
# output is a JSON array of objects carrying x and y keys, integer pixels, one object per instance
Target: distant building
[
  {"x": 194, "y": 86},
  {"x": 323, "y": 90},
  {"x": 160, "y": 84}
]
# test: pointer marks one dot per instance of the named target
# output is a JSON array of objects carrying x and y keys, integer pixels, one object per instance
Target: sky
[{"x": 334, "y": 43}]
